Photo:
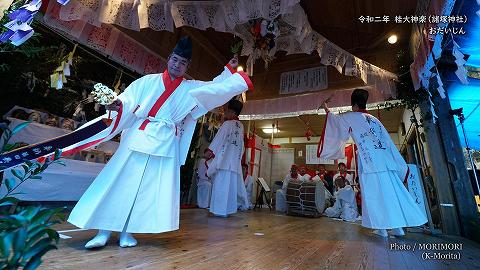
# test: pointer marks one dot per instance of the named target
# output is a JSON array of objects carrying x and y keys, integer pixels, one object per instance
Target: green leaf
[
  {"x": 9, "y": 199},
  {"x": 8, "y": 147},
  {"x": 35, "y": 261},
  {"x": 43, "y": 215},
  {"x": 6, "y": 244},
  {"x": 35, "y": 177},
  {"x": 9, "y": 183},
  {"x": 17, "y": 174},
  {"x": 19, "y": 218},
  {"x": 61, "y": 162},
  {"x": 19, "y": 127},
  {"x": 30, "y": 212},
  {"x": 58, "y": 154},
  {"x": 53, "y": 234},
  {"x": 36, "y": 248},
  {"x": 44, "y": 166},
  {"x": 16, "y": 193},
  {"x": 6, "y": 204},
  {"x": 25, "y": 168},
  {"x": 20, "y": 240},
  {"x": 37, "y": 170},
  {"x": 7, "y": 134},
  {"x": 7, "y": 222}
]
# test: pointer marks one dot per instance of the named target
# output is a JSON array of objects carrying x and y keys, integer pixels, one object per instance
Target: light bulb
[{"x": 392, "y": 39}]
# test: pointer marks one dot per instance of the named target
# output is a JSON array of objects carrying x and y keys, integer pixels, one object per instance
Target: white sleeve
[
  {"x": 402, "y": 167},
  {"x": 334, "y": 137},
  {"x": 211, "y": 96},
  {"x": 216, "y": 146},
  {"x": 227, "y": 72},
  {"x": 130, "y": 97}
]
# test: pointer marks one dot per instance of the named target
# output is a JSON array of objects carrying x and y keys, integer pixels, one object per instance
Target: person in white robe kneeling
[
  {"x": 345, "y": 206},
  {"x": 204, "y": 185},
  {"x": 225, "y": 166},
  {"x": 386, "y": 203},
  {"x": 138, "y": 191}
]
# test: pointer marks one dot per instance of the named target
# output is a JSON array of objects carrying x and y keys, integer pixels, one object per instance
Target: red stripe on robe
[{"x": 170, "y": 87}]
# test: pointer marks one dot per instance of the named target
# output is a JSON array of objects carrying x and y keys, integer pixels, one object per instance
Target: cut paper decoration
[{"x": 18, "y": 30}]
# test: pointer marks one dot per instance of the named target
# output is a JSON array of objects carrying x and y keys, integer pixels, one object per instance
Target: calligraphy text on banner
[{"x": 312, "y": 79}]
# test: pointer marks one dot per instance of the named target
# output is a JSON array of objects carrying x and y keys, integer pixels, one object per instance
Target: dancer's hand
[
  {"x": 234, "y": 61},
  {"x": 324, "y": 104},
  {"x": 115, "y": 106}
]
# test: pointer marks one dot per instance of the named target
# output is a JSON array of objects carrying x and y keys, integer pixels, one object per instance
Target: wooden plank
[{"x": 207, "y": 243}]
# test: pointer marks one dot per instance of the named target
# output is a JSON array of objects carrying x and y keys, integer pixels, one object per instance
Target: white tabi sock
[
  {"x": 99, "y": 240},
  {"x": 127, "y": 240}
]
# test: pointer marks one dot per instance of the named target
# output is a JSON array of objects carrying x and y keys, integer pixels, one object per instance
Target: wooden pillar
[
  {"x": 458, "y": 174},
  {"x": 439, "y": 171}
]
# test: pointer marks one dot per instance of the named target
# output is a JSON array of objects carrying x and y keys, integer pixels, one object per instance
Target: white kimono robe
[
  {"x": 204, "y": 185},
  {"x": 138, "y": 191},
  {"x": 304, "y": 178},
  {"x": 345, "y": 206},
  {"x": 386, "y": 203},
  {"x": 228, "y": 190}
]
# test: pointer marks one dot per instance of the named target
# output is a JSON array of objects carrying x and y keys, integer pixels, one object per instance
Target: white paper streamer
[
  {"x": 461, "y": 71},
  {"x": 440, "y": 89}
]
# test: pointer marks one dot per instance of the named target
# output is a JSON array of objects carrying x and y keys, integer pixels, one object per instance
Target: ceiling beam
[{"x": 201, "y": 40}]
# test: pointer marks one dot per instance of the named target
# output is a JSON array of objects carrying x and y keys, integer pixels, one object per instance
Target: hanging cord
[{"x": 88, "y": 51}]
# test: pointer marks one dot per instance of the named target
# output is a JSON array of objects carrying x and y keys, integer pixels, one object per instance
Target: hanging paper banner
[
  {"x": 332, "y": 55},
  {"x": 312, "y": 79},
  {"x": 311, "y": 156},
  {"x": 152, "y": 64},
  {"x": 128, "y": 52},
  {"x": 415, "y": 187}
]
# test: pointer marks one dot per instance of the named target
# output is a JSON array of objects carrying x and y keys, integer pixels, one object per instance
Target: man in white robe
[
  {"x": 228, "y": 189},
  {"x": 204, "y": 185},
  {"x": 281, "y": 194},
  {"x": 342, "y": 171},
  {"x": 345, "y": 206},
  {"x": 138, "y": 191},
  {"x": 386, "y": 203},
  {"x": 303, "y": 175}
]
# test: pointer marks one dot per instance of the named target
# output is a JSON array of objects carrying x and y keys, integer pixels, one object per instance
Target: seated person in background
[
  {"x": 243, "y": 197},
  {"x": 326, "y": 178},
  {"x": 345, "y": 206},
  {"x": 316, "y": 177},
  {"x": 321, "y": 178},
  {"x": 342, "y": 171},
  {"x": 204, "y": 184},
  {"x": 293, "y": 175},
  {"x": 303, "y": 175},
  {"x": 281, "y": 194},
  {"x": 248, "y": 180}
]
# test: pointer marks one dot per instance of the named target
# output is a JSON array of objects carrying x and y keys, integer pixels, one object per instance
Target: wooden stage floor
[{"x": 260, "y": 240}]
